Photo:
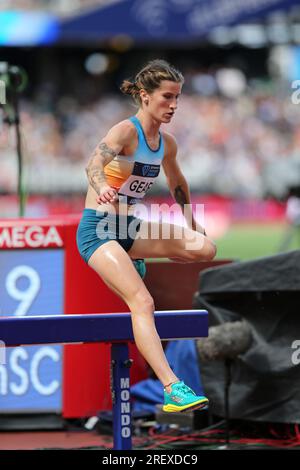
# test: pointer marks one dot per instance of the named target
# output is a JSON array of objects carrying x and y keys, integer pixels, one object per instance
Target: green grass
[{"x": 249, "y": 241}]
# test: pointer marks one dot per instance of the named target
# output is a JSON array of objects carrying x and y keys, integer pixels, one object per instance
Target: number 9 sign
[
  {"x": 27, "y": 296},
  {"x": 31, "y": 283}
]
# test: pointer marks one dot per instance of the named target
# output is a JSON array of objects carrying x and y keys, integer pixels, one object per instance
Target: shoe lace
[{"x": 185, "y": 389}]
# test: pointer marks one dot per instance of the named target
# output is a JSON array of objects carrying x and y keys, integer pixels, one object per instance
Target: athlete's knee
[
  {"x": 205, "y": 251},
  {"x": 210, "y": 249},
  {"x": 143, "y": 302}
]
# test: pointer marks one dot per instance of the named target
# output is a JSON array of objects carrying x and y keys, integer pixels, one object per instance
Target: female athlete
[{"x": 111, "y": 238}]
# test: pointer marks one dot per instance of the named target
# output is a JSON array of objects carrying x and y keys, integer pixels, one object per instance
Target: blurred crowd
[{"x": 226, "y": 143}]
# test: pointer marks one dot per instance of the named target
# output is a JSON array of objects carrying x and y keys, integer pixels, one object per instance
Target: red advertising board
[{"x": 85, "y": 378}]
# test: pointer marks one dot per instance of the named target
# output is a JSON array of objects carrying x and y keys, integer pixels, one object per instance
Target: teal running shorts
[{"x": 96, "y": 228}]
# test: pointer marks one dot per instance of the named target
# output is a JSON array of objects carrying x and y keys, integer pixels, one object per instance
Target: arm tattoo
[
  {"x": 180, "y": 196},
  {"x": 182, "y": 199},
  {"x": 96, "y": 175}
]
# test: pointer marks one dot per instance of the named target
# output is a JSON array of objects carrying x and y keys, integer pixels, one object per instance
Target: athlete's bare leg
[
  {"x": 163, "y": 240},
  {"x": 116, "y": 269}
]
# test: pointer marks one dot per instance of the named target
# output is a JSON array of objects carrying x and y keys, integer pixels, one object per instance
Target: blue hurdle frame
[{"x": 115, "y": 328}]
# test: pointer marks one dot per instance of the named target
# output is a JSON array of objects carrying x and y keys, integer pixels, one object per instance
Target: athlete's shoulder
[
  {"x": 170, "y": 144},
  {"x": 124, "y": 131}
]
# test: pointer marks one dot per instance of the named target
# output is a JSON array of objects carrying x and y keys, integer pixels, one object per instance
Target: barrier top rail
[{"x": 170, "y": 324}]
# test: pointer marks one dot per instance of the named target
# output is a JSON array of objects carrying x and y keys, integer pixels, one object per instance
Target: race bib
[{"x": 140, "y": 181}]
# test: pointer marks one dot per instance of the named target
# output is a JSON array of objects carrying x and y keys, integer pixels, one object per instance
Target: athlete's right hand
[{"x": 107, "y": 195}]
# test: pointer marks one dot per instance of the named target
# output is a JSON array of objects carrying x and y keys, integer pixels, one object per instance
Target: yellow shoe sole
[{"x": 193, "y": 406}]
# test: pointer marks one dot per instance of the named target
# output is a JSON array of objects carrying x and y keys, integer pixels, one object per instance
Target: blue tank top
[{"x": 144, "y": 168}]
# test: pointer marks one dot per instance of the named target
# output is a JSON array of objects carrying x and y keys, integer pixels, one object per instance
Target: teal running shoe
[
  {"x": 140, "y": 266},
  {"x": 182, "y": 398}
]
